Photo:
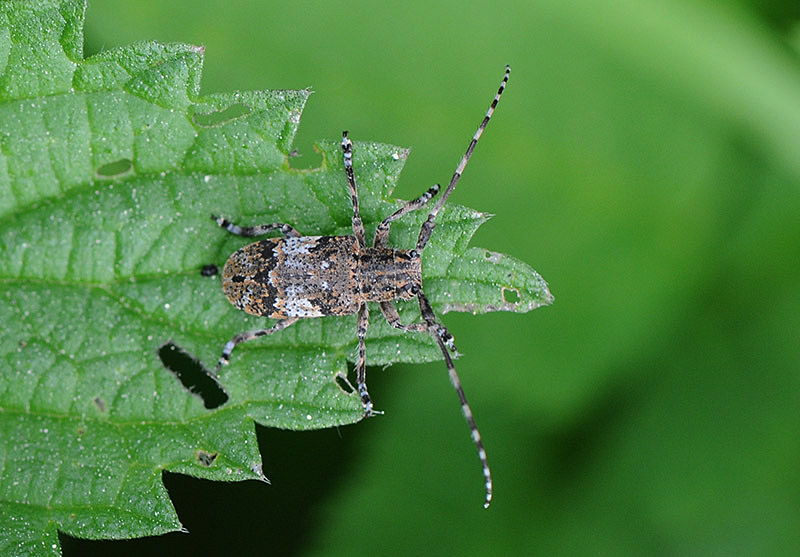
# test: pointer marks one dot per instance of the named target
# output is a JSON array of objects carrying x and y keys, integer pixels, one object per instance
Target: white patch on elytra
[
  {"x": 294, "y": 250},
  {"x": 300, "y": 307},
  {"x": 294, "y": 291},
  {"x": 301, "y": 245}
]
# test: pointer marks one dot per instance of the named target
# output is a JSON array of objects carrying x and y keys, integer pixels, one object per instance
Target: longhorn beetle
[{"x": 297, "y": 276}]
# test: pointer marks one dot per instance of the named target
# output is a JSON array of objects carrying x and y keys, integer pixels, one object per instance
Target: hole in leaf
[
  {"x": 220, "y": 117},
  {"x": 344, "y": 384},
  {"x": 511, "y": 295},
  {"x": 303, "y": 157},
  {"x": 193, "y": 376},
  {"x": 206, "y": 459},
  {"x": 115, "y": 168},
  {"x": 209, "y": 270}
]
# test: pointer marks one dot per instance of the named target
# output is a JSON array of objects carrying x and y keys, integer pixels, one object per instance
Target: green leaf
[{"x": 109, "y": 170}]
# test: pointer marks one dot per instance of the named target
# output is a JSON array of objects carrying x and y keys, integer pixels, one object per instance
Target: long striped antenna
[
  {"x": 445, "y": 341},
  {"x": 430, "y": 222}
]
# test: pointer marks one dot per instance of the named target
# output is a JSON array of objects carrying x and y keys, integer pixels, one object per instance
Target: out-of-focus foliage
[{"x": 645, "y": 161}]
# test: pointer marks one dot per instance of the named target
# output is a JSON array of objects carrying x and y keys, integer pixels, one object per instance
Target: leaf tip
[{"x": 258, "y": 470}]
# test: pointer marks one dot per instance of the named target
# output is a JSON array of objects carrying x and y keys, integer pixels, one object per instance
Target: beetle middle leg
[
  {"x": 361, "y": 362},
  {"x": 250, "y": 335}
]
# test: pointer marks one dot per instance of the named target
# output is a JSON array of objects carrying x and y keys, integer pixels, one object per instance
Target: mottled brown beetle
[{"x": 297, "y": 276}]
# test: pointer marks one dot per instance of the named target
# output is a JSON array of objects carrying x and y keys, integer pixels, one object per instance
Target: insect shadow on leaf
[{"x": 295, "y": 277}]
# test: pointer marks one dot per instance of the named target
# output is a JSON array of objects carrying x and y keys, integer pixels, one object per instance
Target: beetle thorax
[{"x": 387, "y": 274}]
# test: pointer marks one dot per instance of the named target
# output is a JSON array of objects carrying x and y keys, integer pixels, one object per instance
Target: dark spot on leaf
[
  {"x": 115, "y": 168},
  {"x": 209, "y": 270},
  {"x": 220, "y": 117},
  {"x": 206, "y": 459},
  {"x": 192, "y": 375},
  {"x": 100, "y": 403},
  {"x": 510, "y": 295}
]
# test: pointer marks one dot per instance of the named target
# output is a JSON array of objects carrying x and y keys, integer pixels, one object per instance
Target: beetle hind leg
[{"x": 225, "y": 358}]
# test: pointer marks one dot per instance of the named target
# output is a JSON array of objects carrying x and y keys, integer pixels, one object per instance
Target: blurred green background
[{"x": 646, "y": 161}]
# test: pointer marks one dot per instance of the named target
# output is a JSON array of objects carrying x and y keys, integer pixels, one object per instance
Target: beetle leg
[
  {"x": 250, "y": 335},
  {"x": 259, "y": 230},
  {"x": 389, "y": 311},
  {"x": 382, "y": 232},
  {"x": 347, "y": 157},
  {"x": 361, "y": 362}
]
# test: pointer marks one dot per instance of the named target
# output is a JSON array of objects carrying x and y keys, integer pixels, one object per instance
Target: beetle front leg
[
  {"x": 382, "y": 231},
  {"x": 347, "y": 157},
  {"x": 389, "y": 311},
  {"x": 361, "y": 361}
]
